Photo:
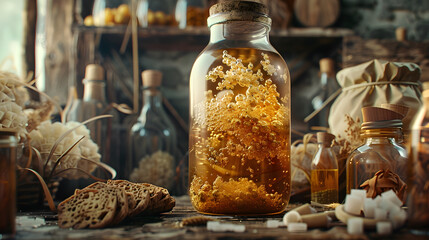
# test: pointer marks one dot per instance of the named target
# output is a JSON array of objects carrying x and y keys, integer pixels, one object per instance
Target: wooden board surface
[{"x": 168, "y": 226}]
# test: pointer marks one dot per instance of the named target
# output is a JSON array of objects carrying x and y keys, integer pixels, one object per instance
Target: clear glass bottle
[
  {"x": 326, "y": 86},
  {"x": 381, "y": 129},
  {"x": 157, "y": 13},
  {"x": 239, "y": 144},
  {"x": 94, "y": 104},
  {"x": 109, "y": 13},
  {"x": 191, "y": 13},
  {"x": 153, "y": 138},
  {"x": 324, "y": 171},
  {"x": 418, "y": 174}
]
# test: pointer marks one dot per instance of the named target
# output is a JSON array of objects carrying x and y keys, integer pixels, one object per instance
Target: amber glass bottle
[
  {"x": 239, "y": 145},
  {"x": 381, "y": 129},
  {"x": 418, "y": 174},
  {"x": 324, "y": 171}
]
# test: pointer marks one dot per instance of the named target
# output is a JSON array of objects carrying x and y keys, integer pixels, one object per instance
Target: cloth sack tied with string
[{"x": 371, "y": 84}]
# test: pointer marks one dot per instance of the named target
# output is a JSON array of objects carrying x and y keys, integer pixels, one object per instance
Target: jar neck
[
  {"x": 239, "y": 31},
  {"x": 382, "y": 135},
  {"x": 94, "y": 91}
]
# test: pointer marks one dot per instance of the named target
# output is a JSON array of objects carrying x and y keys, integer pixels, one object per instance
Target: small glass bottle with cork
[
  {"x": 382, "y": 150},
  {"x": 324, "y": 171},
  {"x": 153, "y": 139}
]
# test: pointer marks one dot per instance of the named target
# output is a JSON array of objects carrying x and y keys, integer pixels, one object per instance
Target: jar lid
[
  {"x": 235, "y": 10},
  {"x": 151, "y": 78},
  {"x": 93, "y": 72},
  {"x": 8, "y": 137}
]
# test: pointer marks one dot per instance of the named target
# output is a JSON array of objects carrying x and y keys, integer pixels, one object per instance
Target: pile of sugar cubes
[{"x": 385, "y": 208}]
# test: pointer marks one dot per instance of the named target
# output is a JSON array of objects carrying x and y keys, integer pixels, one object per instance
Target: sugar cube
[
  {"x": 384, "y": 228},
  {"x": 391, "y": 196},
  {"x": 291, "y": 217},
  {"x": 355, "y": 225},
  {"x": 398, "y": 218},
  {"x": 369, "y": 206},
  {"x": 273, "y": 223},
  {"x": 380, "y": 214},
  {"x": 297, "y": 227},
  {"x": 353, "y": 204},
  {"x": 361, "y": 193}
]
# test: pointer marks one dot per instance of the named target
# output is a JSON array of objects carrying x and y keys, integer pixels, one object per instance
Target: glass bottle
[
  {"x": 326, "y": 86},
  {"x": 239, "y": 144},
  {"x": 157, "y": 13},
  {"x": 153, "y": 138},
  {"x": 191, "y": 13},
  {"x": 381, "y": 129},
  {"x": 418, "y": 174},
  {"x": 324, "y": 171},
  {"x": 94, "y": 104},
  {"x": 110, "y": 13}
]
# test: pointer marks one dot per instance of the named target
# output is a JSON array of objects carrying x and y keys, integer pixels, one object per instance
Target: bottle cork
[
  {"x": 325, "y": 138},
  {"x": 94, "y": 72},
  {"x": 401, "y": 109},
  {"x": 401, "y": 34},
  {"x": 375, "y": 114},
  {"x": 151, "y": 78},
  {"x": 326, "y": 65}
]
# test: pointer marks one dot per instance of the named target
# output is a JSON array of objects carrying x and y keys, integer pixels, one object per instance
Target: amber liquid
[
  {"x": 7, "y": 190},
  {"x": 324, "y": 186},
  {"x": 240, "y": 136}
]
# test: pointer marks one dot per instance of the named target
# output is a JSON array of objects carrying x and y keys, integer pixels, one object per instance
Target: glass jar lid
[{"x": 225, "y": 11}]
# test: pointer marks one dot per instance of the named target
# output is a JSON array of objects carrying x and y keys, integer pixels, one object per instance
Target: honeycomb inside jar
[{"x": 240, "y": 132}]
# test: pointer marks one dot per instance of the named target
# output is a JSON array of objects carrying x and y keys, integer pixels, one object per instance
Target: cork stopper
[
  {"x": 401, "y": 34},
  {"x": 94, "y": 72},
  {"x": 326, "y": 65},
  {"x": 401, "y": 109},
  {"x": 325, "y": 138},
  {"x": 235, "y": 10},
  {"x": 151, "y": 78},
  {"x": 376, "y": 117}
]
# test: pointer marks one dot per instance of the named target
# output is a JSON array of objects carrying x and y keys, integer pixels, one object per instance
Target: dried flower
[
  {"x": 46, "y": 135},
  {"x": 383, "y": 181}
]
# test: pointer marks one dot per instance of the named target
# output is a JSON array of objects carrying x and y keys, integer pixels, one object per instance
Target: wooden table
[{"x": 43, "y": 225}]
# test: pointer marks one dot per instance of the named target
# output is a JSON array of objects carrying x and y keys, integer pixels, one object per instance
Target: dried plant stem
[{"x": 44, "y": 186}]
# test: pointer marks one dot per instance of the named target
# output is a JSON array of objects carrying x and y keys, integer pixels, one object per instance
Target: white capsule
[
  {"x": 355, "y": 226},
  {"x": 297, "y": 227}
]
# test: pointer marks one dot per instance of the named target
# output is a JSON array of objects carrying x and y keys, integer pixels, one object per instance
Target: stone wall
[{"x": 379, "y": 18}]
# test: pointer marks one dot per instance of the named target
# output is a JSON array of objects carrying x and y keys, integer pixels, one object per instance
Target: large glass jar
[
  {"x": 418, "y": 170},
  {"x": 382, "y": 150},
  {"x": 239, "y": 145}
]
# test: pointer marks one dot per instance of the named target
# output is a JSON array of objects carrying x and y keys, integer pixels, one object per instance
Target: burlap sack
[{"x": 371, "y": 84}]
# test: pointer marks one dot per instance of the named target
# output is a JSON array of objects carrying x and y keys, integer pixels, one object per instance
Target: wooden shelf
[{"x": 204, "y": 31}]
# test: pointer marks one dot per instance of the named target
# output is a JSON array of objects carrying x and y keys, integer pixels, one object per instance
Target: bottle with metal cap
[
  {"x": 324, "y": 171},
  {"x": 153, "y": 139},
  {"x": 381, "y": 129},
  {"x": 239, "y": 144},
  {"x": 94, "y": 104}
]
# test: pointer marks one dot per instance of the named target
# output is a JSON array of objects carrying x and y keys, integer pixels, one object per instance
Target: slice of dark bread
[
  {"x": 141, "y": 194},
  {"x": 160, "y": 200},
  {"x": 89, "y": 208},
  {"x": 122, "y": 207}
]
